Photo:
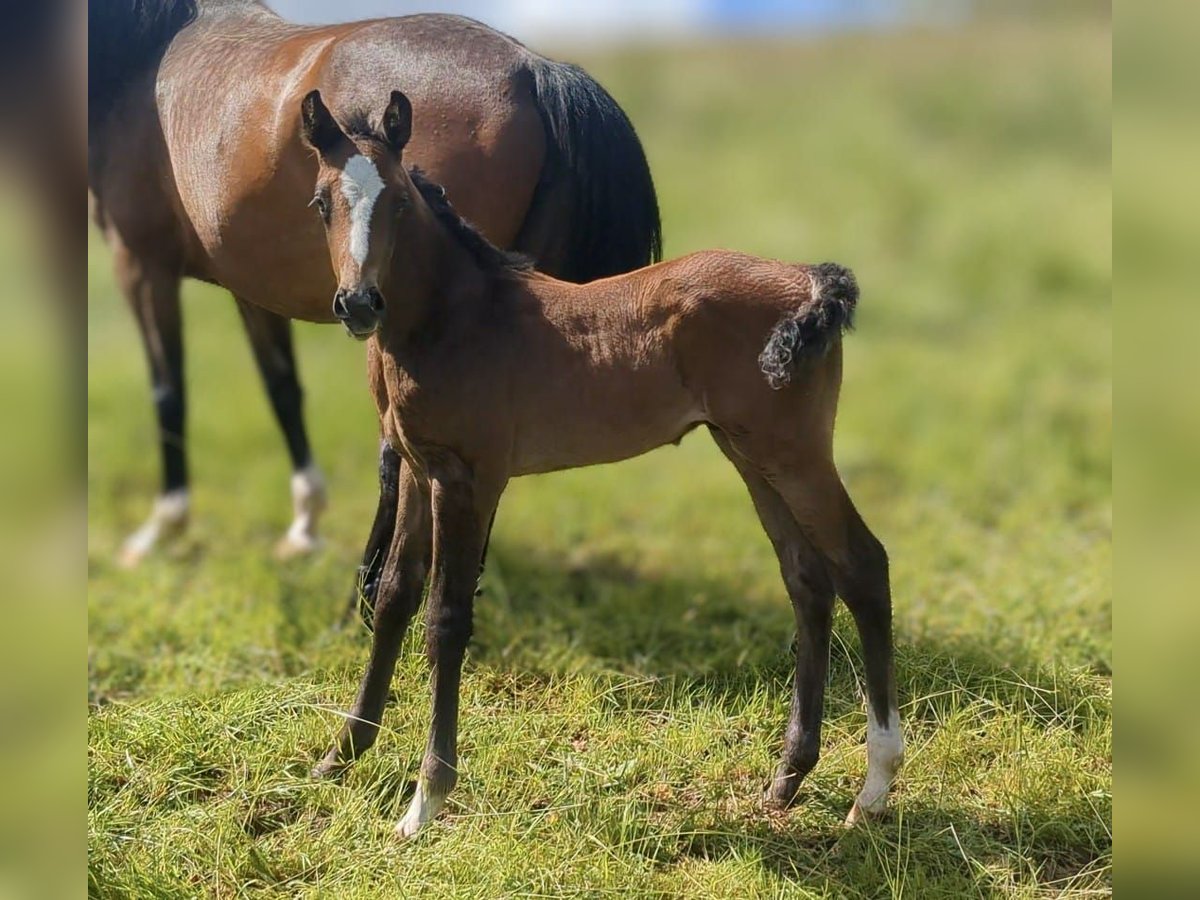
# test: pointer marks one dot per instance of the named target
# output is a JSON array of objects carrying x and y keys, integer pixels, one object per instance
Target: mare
[
  {"x": 483, "y": 370},
  {"x": 196, "y": 169}
]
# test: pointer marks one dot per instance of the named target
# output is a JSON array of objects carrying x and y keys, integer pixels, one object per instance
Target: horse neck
[{"x": 430, "y": 274}]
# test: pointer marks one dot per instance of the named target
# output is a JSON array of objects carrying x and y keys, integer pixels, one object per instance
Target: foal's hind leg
[
  {"x": 271, "y": 340},
  {"x": 858, "y": 564},
  {"x": 366, "y": 580},
  {"x": 812, "y": 597},
  {"x": 399, "y": 595}
]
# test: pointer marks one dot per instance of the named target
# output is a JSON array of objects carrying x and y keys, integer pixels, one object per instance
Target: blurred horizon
[{"x": 625, "y": 20}]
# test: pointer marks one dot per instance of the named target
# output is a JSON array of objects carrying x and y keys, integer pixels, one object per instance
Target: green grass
[{"x": 627, "y": 686}]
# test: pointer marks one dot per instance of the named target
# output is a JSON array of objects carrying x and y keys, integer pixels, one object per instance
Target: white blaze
[{"x": 361, "y": 185}]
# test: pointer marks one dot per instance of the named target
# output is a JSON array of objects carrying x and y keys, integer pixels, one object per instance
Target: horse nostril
[
  {"x": 376, "y": 300},
  {"x": 339, "y": 304}
]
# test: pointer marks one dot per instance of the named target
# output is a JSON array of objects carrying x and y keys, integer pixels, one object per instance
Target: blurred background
[{"x": 957, "y": 155}]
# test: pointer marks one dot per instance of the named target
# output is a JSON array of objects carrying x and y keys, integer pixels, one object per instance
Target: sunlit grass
[{"x": 627, "y": 686}]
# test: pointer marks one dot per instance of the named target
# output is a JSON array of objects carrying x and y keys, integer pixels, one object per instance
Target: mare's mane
[{"x": 126, "y": 37}]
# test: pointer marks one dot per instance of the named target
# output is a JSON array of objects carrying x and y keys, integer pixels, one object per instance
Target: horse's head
[{"x": 361, "y": 191}]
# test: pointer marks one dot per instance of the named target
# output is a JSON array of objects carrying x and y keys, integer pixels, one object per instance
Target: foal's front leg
[
  {"x": 399, "y": 595},
  {"x": 462, "y": 512}
]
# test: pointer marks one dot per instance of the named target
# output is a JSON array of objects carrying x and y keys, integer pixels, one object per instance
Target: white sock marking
[
  {"x": 361, "y": 186},
  {"x": 421, "y": 811},
  {"x": 308, "y": 502},
  {"x": 167, "y": 520},
  {"x": 885, "y": 753}
]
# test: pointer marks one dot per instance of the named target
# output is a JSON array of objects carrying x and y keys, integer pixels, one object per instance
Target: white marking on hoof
[
  {"x": 309, "y": 500},
  {"x": 168, "y": 520},
  {"x": 421, "y": 812},
  {"x": 885, "y": 753}
]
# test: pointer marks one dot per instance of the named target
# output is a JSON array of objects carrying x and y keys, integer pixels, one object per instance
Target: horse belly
[{"x": 584, "y": 425}]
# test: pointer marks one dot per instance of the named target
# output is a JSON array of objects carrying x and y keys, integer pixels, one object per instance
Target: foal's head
[{"x": 361, "y": 191}]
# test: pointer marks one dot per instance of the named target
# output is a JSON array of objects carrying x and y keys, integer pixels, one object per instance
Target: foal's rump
[{"x": 759, "y": 341}]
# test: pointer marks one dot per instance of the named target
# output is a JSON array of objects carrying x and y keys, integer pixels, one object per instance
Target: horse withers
[{"x": 483, "y": 370}]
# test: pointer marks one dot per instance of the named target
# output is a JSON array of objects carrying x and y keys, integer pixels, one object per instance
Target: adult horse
[{"x": 196, "y": 169}]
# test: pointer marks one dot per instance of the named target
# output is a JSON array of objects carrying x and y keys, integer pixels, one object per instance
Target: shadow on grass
[
  {"x": 703, "y": 638},
  {"x": 538, "y": 614}
]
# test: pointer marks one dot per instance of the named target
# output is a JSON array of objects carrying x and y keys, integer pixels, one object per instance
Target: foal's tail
[
  {"x": 595, "y": 153},
  {"x": 812, "y": 330}
]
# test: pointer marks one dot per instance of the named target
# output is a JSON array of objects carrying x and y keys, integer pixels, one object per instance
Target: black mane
[
  {"x": 489, "y": 257},
  {"x": 125, "y": 37}
]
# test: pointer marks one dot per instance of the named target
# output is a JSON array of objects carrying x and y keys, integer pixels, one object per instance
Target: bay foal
[{"x": 483, "y": 370}]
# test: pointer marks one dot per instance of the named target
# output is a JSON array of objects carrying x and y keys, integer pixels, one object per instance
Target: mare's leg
[
  {"x": 366, "y": 581},
  {"x": 462, "y": 509},
  {"x": 858, "y": 564},
  {"x": 271, "y": 340},
  {"x": 399, "y": 595},
  {"x": 153, "y": 294},
  {"x": 811, "y": 592}
]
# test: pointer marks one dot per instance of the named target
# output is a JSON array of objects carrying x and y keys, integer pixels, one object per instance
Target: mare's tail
[
  {"x": 592, "y": 145},
  {"x": 810, "y": 331}
]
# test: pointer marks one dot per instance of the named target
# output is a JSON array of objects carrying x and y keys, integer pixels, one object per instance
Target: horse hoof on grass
[
  {"x": 860, "y": 814},
  {"x": 781, "y": 792},
  {"x": 421, "y": 812},
  {"x": 327, "y": 768},
  {"x": 293, "y": 546},
  {"x": 167, "y": 522}
]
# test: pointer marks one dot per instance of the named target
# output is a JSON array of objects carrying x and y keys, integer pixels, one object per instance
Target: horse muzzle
[{"x": 360, "y": 311}]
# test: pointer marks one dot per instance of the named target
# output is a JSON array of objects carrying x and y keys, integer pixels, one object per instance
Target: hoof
[
  {"x": 309, "y": 500},
  {"x": 781, "y": 792},
  {"x": 167, "y": 523},
  {"x": 293, "y": 546},
  {"x": 330, "y": 767},
  {"x": 423, "y": 809},
  {"x": 861, "y": 813}
]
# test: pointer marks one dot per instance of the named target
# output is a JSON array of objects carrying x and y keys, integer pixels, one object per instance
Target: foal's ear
[
  {"x": 317, "y": 126},
  {"x": 397, "y": 121}
]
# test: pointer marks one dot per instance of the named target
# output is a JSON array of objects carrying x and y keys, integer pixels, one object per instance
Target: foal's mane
[{"x": 487, "y": 255}]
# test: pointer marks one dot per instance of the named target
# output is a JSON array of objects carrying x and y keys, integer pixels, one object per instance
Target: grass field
[{"x": 626, "y": 690}]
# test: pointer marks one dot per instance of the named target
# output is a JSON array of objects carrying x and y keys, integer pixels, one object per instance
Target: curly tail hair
[{"x": 812, "y": 330}]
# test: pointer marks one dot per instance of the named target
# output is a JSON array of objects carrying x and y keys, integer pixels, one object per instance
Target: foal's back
[{"x": 605, "y": 371}]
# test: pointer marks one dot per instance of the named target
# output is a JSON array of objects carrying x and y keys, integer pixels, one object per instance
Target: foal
[{"x": 483, "y": 369}]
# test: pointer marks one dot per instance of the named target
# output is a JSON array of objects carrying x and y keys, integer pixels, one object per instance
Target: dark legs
[
  {"x": 400, "y": 586},
  {"x": 271, "y": 340},
  {"x": 811, "y": 593},
  {"x": 153, "y": 295},
  {"x": 863, "y": 583},
  {"x": 462, "y": 512},
  {"x": 858, "y": 564},
  {"x": 823, "y": 545},
  {"x": 366, "y": 582},
  {"x": 449, "y": 517}
]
